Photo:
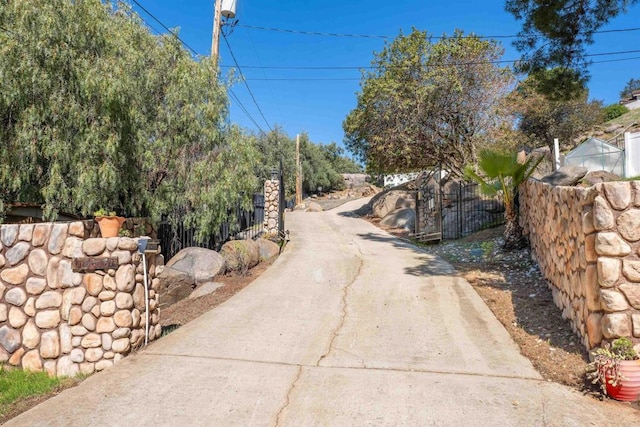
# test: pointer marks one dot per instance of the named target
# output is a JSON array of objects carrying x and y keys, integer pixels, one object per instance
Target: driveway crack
[
  {"x": 288, "y": 397},
  {"x": 343, "y": 316}
]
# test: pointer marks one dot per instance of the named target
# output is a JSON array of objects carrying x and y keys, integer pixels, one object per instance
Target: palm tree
[{"x": 501, "y": 173}]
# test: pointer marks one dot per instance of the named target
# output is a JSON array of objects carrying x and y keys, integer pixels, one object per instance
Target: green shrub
[{"x": 613, "y": 111}]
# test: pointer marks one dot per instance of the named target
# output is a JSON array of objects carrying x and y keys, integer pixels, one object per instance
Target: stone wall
[
  {"x": 586, "y": 242},
  {"x": 271, "y": 207},
  {"x": 66, "y": 321}
]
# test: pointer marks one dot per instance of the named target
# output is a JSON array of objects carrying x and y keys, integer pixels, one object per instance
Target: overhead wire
[
  {"x": 244, "y": 110},
  {"x": 165, "y": 27},
  {"x": 264, "y": 74},
  {"x": 294, "y": 79},
  {"x": 441, "y": 64},
  {"x": 245, "y": 82},
  {"x": 232, "y": 94},
  {"x": 132, "y": 10},
  {"x": 377, "y": 36}
]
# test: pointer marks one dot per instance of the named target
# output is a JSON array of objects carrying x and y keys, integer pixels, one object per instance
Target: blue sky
[{"x": 316, "y": 101}]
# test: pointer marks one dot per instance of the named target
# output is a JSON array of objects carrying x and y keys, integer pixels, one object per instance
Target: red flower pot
[{"x": 628, "y": 389}]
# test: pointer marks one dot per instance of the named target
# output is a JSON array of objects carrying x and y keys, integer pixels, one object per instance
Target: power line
[
  {"x": 165, "y": 27},
  {"x": 613, "y": 53},
  {"x": 616, "y": 60},
  {"x": 265, "y": 76},
  {"x": 233, "y": 95},
  {"x": 377, "y": 36},
  {"x": 311, "y": 79},
  {"x": 244, "y": 110},
  {"x": 130, "y": 8},
  {"x": 313, "y": 33},
  {"x": 245, "y": 82},
  {"x": 322, "y": 79},
  {"x": 441, "y": 64}
]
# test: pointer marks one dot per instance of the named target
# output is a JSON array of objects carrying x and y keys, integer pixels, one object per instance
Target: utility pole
[
  {"x": 298, "y": 173},
  {"x": 215, "y": 39}
]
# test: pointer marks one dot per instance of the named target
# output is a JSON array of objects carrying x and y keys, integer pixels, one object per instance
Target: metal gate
[
  {"x": 428, "y": 214},
  {"x": 454, "y": 210}
]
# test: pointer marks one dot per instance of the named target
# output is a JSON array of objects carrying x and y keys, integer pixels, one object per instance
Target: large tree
[
  {"x": 95, "y": 112},
  {"x": 427, "y": 104},
  {"x": 554, "y": 34},
  {"x": 321, "y": 165},
  {"x": 540, "y": 118}
]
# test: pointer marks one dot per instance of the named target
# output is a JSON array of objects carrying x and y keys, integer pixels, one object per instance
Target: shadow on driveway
[{"x": 429, "y": 264}]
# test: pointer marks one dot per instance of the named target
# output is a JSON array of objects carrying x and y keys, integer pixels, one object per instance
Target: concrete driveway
[{"x": 350, "y": 326}]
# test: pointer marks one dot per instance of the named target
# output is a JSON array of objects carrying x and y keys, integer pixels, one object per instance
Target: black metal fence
[
  {"x": 455, "y": 210},
  {"x": 465, "y": 210},
  {"x": 248, "y": 225}
]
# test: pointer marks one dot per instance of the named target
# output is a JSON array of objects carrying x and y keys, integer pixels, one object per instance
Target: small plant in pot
[
  {"x": 108, "y": 222},
  {"x": 617, "y": 369}
]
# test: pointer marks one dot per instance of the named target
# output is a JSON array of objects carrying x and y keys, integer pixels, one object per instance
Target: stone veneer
[
  {"x": 587, "y": 244},
  {"x": 62, "y": 321},
  {"x": 271, "y": 206}
]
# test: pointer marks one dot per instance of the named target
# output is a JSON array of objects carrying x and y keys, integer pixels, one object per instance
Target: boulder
[
  {"x": 201, "y": 263},
  {"x": 353, "y": 180},
  {"x": 175, "y": 285},
  {"x": 566, "y": 176},
  {"x": 404, "y": 218},
  {"x": 240, "y": 255},
  {"x": 185, "y": 270},
  {"x": 391, "y": 200},
  {"x": 268, "y": 249},
  {"x": 313, "y": 207},
  {"x": 596, "y": 177}
]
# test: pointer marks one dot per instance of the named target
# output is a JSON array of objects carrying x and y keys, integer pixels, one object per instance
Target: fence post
[
  {"x": 631, "y": 155},
  {"x": 459, "y": 210},
  {"x": 272, "y": 205},
  {"x": 556, "y": 154}
]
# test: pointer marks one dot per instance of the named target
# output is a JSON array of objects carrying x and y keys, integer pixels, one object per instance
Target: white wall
[
  {"x": 633, "y": 105},
  {"x": 632, "y": 154},
  {"x": 399, "y": 178}
]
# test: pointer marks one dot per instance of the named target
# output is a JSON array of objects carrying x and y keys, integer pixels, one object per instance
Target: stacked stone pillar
[
  {"x": 587, "y": 244},
  {"x": 63, "y": 320},
  {"x": 271, "y": 207}
]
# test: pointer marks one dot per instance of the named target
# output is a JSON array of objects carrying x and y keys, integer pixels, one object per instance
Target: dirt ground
[{"x": 188, "y": 309}]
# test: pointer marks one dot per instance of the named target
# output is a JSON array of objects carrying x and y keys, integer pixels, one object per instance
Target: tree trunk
[{"x": 513, "y": 236}]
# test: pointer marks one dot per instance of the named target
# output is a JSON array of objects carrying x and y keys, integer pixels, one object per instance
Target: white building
[
  {"x": 395, "y": 179},
  {"x": 633, "y": 102}
]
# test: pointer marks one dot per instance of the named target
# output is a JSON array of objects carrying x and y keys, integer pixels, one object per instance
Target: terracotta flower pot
[
  {"x": 110, "y": 225},
  {"x": 628, "y": 389}
]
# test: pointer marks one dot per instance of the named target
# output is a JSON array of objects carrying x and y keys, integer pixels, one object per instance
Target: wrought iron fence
[
  {"x": 248, "y": 225},
  {"x": 455, "y": 210},
  {"x": 466, "y": 210}
]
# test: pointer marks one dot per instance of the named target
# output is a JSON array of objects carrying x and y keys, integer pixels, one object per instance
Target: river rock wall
[
  {"x": 586, "y": 242},
  {"x": 64, "y": 320},
  {"x": 271, "y": 207}
]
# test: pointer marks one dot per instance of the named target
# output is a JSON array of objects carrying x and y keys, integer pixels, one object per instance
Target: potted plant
[
  {"x": 617, "y": 369},
  {"x": 108, "y": 222}
]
